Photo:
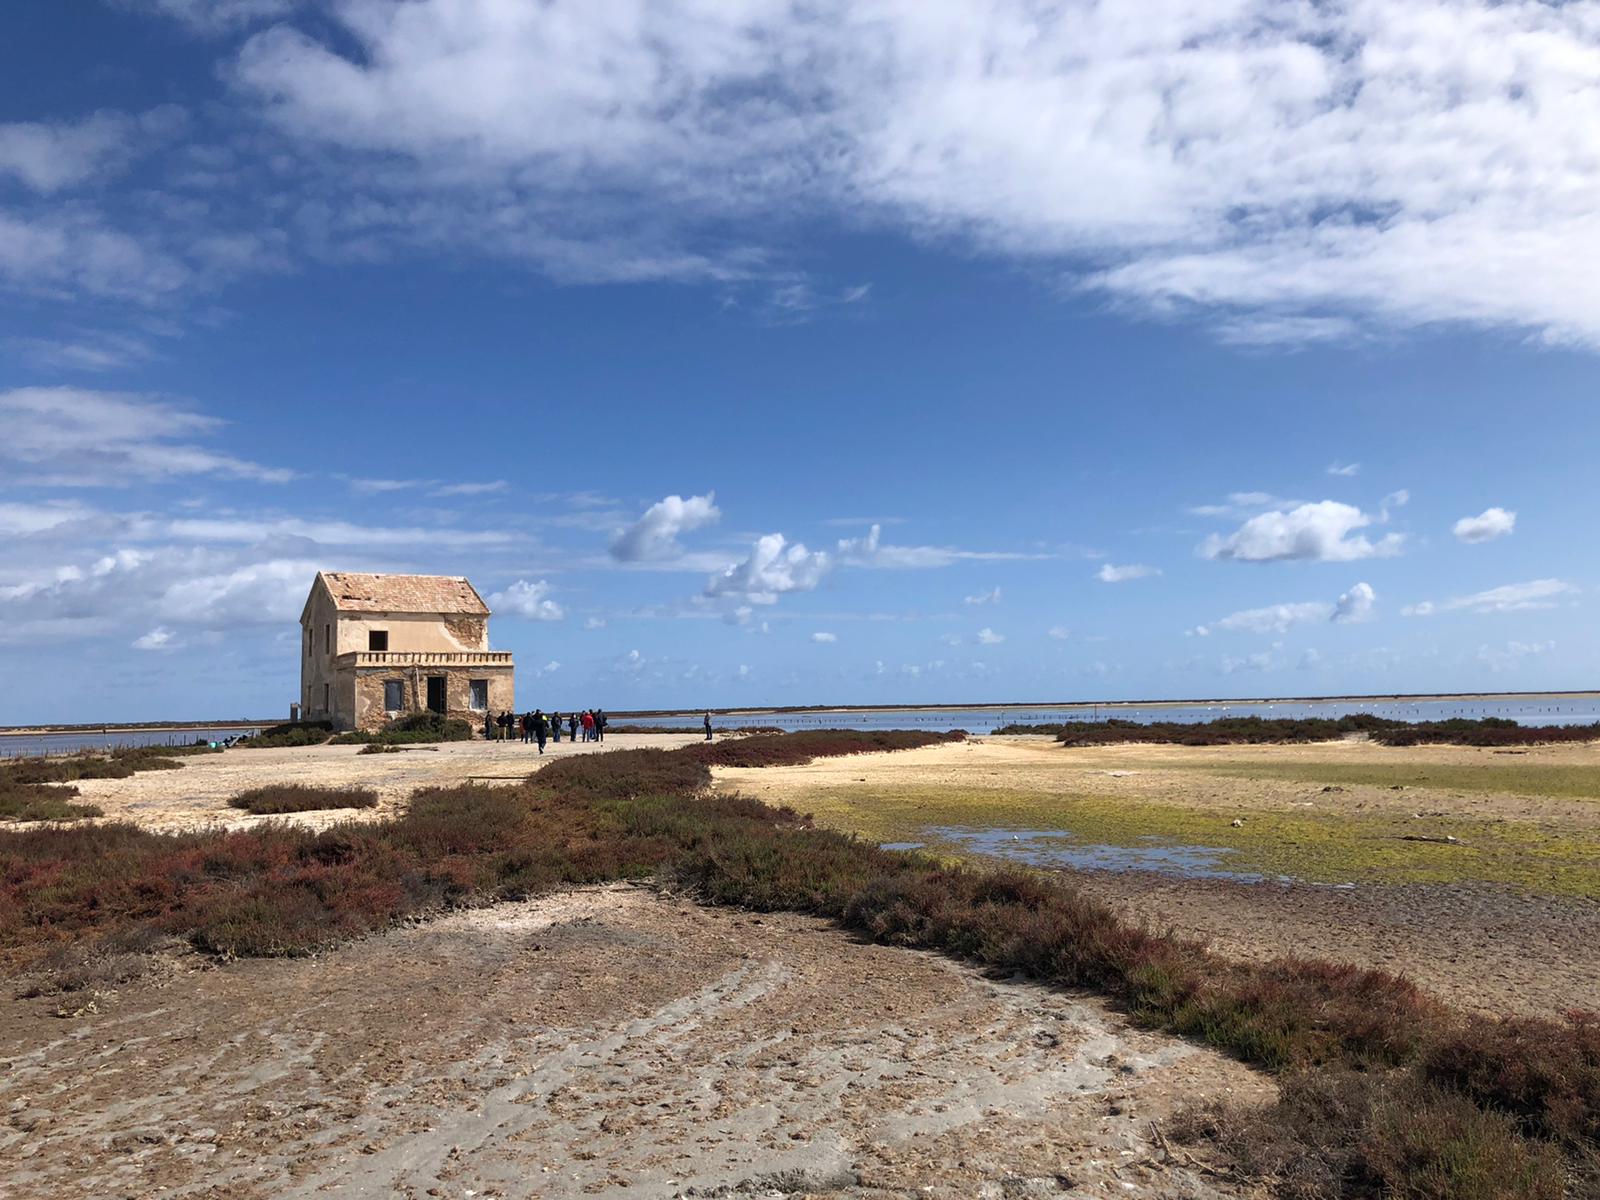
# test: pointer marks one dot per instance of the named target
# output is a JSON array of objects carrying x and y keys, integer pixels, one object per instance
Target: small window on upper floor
[{"x": 378, "y": 639}]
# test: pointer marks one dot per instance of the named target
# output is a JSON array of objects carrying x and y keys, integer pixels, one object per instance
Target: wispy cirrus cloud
[
  {"x": 70, "y": 437},
  {"x": 1511, "y": 597},
  {"x": 1256, "y": 168}
]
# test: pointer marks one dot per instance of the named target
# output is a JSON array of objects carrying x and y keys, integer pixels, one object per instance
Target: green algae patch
[
  {"x": 1517, "y": 779},
  {"x": 1313, "y": 847}
]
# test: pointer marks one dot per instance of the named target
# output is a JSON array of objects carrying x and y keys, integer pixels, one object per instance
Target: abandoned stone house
[{"x": 374, "y": 647}]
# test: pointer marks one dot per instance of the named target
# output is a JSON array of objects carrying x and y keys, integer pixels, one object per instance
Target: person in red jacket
[{"x": 588, "y": 725}]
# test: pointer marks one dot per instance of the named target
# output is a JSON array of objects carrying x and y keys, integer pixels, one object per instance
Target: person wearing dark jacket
[
  {"x": 555, "y": 727},
  {"x": 599, "y": 724},
  {"x": 708, "y": 727},
  {"x": 572, "y": 726},
  {"x": 488, "y": 726},
  {"x": 540, "y": 728}
]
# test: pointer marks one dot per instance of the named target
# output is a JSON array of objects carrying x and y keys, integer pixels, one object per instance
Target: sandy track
[
  {"x": 1188, "y": 775},
  {"x": 606, "y": 1042},
  {"x": 196, "y": 796}
]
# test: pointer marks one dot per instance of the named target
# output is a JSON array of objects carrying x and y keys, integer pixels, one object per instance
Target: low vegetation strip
[
  {"x": 1446, "y": 1108},
  {"x": 40, "y": 789},
  {"x": 289, "y": 735},
  {"x": 797, "y": 749},
  {"x": 1249, "y": 731},
  {"x": 298, "y": 797}
]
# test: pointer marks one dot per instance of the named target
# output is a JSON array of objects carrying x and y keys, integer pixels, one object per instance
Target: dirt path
[{"x": 606, "y": 1042}]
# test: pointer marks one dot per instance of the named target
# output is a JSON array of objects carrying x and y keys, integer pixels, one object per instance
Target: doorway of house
[{"x": 436, "y": 700}]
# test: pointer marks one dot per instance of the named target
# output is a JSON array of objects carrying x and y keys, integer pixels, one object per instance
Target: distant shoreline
[
  {"x": 1383, "y": 697},
  {"x": 786, "y": 710}
]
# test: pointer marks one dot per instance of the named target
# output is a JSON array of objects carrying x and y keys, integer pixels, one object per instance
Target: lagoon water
[
  {"x": 13, "y": 744},
  {"x": 1526, "y": 710}
]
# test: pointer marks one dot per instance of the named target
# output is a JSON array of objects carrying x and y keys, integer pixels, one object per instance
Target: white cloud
[
  {"x": 654, "y": 536},
  {"x": 1344, "y": 470},
  {"x": 1512, "y": 597},
  {"x": 527, "y": 600},
  {"x": 1397, "y": 499},
  {"x": 824, "y": 638},
  {"x": 1491, "y": 523},
  {"x": 594, "y": 623},
  {"x": 50, "y": 156},
  {"x": 774, "y": 567},
  {"x": 950, "y": 639},
  {"x": 1113, "y": 574},
  {"x": 1321, "y": 532},
  {"x": 214, "y": 16},
  {"x": 1060, "y": 632},
  {"x": 159, "y": 638},
  {"x": 71, "y": 437},
  {"x": 1296, "y": 170},
  {"x": 988, "y": 637},
  {"x": 1355, "y": 605},
  {"x": 1240, "y": 503},
  {"x": 989, "y": 597}
]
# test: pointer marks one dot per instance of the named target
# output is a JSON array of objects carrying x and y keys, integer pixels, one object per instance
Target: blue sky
[{"x": 745, "y": 353}]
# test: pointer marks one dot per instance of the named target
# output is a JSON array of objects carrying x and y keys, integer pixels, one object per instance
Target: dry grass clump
[
  {"x": 796, "y": 749},
  {"x": 1343, "y": 1133},
  {"x": 1386, "y": 1093},
  {"x": 299, "y": 797}
]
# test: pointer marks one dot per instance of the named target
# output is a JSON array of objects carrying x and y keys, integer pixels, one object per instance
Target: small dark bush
[
  {"x": 299, "y": 797},
  {"x": 795, "y": 749},
  {"x": 289, "y": 735},
  {"x": 1340, "y": 1133},
  {"x": 1545, "y": 1074}
]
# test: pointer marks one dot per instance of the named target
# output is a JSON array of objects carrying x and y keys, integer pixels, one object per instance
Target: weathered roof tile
[{"x": 355, "y": 591}]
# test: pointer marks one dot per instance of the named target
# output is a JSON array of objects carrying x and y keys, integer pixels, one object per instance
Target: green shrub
[
  {"x": 412, "y": 729},
  {"x": 288, "y": 735}
]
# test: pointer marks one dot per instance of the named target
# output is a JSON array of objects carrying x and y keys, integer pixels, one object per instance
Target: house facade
[{"x": 375, "y": 647}]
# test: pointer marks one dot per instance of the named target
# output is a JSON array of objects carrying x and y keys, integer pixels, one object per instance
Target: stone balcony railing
[{"x": 423, "y": 658}]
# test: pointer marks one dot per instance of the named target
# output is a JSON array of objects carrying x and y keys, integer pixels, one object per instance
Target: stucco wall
[
  {"x": 316, "y": 664},
  {"x": 367, "y": 710},
  {"x": 412, "y": 631}
]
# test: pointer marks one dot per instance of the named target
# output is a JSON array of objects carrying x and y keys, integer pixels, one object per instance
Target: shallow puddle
[{"x": 1057, "y": 848}]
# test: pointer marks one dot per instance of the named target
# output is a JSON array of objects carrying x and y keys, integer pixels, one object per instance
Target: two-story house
[{"x": 374, "y": 647}]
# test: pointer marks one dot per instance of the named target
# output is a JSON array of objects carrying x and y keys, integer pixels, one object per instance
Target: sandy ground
[
  {"x": 603, "y": 1042},
  {"x": 1482, "y": 947},
  {"x": 196, "y": 796}
]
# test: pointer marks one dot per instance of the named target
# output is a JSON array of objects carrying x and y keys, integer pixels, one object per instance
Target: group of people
[{"x": 539, "y": 726}]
